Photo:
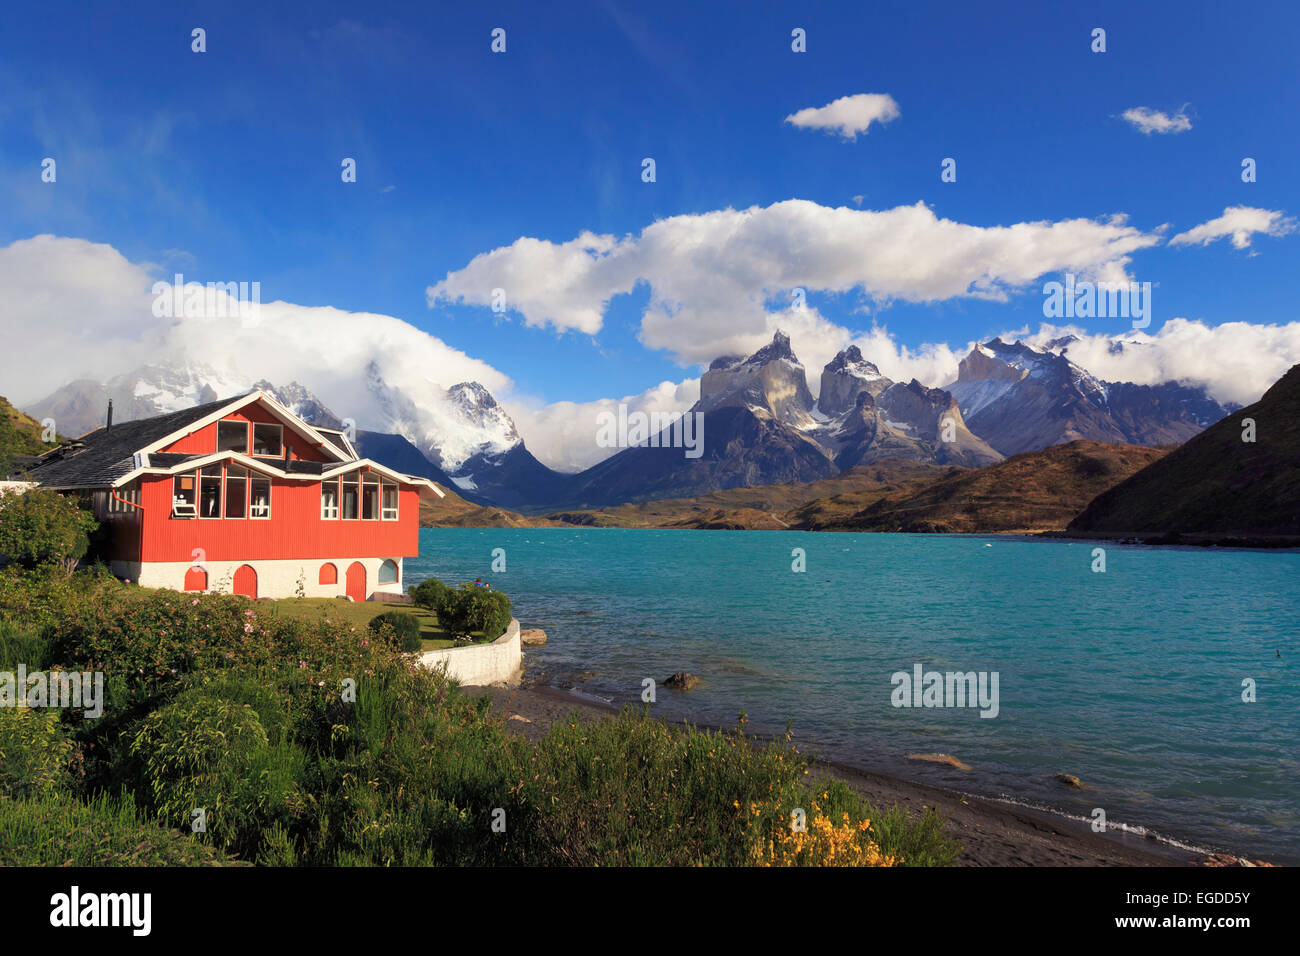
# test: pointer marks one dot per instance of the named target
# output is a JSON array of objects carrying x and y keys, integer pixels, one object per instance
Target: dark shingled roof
[{"x": 99, "y": 458}]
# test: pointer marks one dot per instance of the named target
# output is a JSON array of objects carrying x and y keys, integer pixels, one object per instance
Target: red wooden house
[{"x": 243, "y": 496}]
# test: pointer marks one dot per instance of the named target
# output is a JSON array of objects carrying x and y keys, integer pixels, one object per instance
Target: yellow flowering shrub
[{"x": 823, "y": 841}]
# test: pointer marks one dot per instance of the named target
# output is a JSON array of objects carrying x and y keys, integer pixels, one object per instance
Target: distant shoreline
[
  {"x": 1150, "y": 539},
  {"x": 994, "y": 833}
]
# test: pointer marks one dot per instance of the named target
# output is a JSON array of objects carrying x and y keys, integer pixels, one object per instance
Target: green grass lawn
[{"x": 361, "y": 613}]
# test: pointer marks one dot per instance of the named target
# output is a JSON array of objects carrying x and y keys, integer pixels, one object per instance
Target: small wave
[{"x": 1111, "y": 825}]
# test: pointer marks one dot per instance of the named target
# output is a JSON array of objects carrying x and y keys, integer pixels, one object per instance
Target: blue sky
[{"x": 225, "y": 165}]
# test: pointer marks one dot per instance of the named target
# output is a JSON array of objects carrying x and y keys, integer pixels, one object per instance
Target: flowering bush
[
  {"x": 306, "y": 742},
  {"x": 43, "y": 528},
  {"x": 820, "y": 842}
]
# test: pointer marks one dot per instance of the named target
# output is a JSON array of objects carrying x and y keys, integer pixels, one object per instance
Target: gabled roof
[
  {"x": 235, "y": 404},
  {"x": 340, "y": 440},
  {"x": 103, "y": 457},
  {"x": 100, "y": 457}
]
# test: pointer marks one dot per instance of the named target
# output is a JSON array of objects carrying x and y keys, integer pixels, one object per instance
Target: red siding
[
  {"x": 294, "y": 530},
  {"x": 204, "y": 441}
]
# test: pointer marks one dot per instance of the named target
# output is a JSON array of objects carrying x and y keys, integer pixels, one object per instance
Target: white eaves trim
[
  {"x": 279, "y": 411},
  {"x": 143, "y": 467}
]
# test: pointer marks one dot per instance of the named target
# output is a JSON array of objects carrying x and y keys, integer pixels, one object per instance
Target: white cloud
[
  {"x": 562, "y": 435},
  {"x": 1147, "y": 121},
  {"x": 1239, "y": 222},
  {"x": 850, "y": 115},
  {"x": 1235, "y": 361},
  {"x": 932, "y": 364},
  {"x": 76, "y": 309},
  {"x": 721, "y": 282},
  {"x": 714, "y": 277}
]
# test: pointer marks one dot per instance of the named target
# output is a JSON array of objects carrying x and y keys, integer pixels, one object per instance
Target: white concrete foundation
[{"x": 275, "y": 579}]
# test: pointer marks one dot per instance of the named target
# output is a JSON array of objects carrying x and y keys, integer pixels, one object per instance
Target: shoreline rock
[{"x": 947, "y": 759}]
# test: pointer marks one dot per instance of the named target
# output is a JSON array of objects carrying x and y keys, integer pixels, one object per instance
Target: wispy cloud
[
  {"x": 1147, "y": 121},
  {"x": 849, "y": 115},
  {"x": 1239, "y": 222}
]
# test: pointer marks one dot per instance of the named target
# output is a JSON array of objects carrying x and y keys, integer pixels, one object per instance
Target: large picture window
[
  {"x": 210, "y": 492},
  {"x": 268, "y": 440},
  {"x": 236, "y": 492},
  {"x": 232, "y": 436}
]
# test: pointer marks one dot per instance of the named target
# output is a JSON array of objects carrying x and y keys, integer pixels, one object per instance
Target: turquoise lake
[{"x": 1131, "y": 679}]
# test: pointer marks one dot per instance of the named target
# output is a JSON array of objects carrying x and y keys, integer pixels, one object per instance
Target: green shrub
[
  {"x": 403, "y": 629},
  {"x": 38, "y": 600},
  {"x": 471, "y": 608},
  {"x": 429, "y": 593},
  {"x": 202, "y": 752},
  {"x": 35, "y": 753},
  {"x": 41, "y": 528},
  {"x": 21, "y": 646},
  {"x": 57, "y": 830},
  {"x": 272, "y": 704}
]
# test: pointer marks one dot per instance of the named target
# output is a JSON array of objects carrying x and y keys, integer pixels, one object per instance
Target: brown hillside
[
  {"x": 1031, "y": 492},
  {"x": 453, "y": 511},
  {"x": 1216, "y": 484},
  {"x": 762, "y": 507}
]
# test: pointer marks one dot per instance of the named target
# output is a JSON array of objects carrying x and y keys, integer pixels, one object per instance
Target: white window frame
[
  {"x": 248, "y": 435},
  {"x": 384, "y": 512},
  {"x": 180, "y": 507},
  {"x": 253, "y": 439},
  {"x": 252, "y": 506},
  {"x": 221, "y": 494},
  {"x": 377, "y": 484},
  {"x": 343, "y": 496},
  {"x": 325, "y": 511},
  {"x": 226, "y": 479}
]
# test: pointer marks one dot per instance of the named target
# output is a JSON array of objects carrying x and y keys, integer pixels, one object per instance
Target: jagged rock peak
[
  {"x": 851, "y": 359},
  {"x": 844, "y": 378},
  {"x": 778, "y": 348},
  {"x": 472, "y": 394}
]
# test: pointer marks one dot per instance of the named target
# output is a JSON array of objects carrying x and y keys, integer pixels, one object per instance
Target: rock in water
[
  {"x": 948, "y": 759},
  {"x": 532, "y": 636},
  {"x": 682, "y": 681},
  {"x": 1070, "y": 780}
]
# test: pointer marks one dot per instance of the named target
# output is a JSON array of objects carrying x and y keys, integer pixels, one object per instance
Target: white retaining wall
[{"x": 480, "y": 664}]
